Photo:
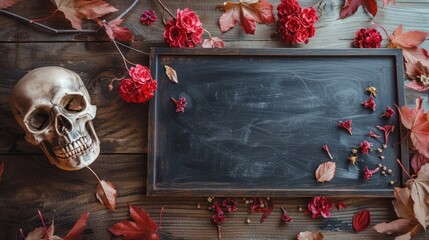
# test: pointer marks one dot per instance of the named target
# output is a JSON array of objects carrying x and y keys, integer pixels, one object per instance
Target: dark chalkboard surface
[{"x": 256, "y": 121}]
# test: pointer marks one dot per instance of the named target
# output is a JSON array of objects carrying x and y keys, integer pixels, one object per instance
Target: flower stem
[
  {"x": 205, "y": 30},
  {"x": 379, "y": 26},
  {"x": 166, "y": 9},
  {"x": 160, "y": 217},
  {"x": 134, "y": 49},
  {"x": 93, "y": 173},
  {"x": 122, "y": 55},
  {"x": 219, "y": 233},
  {"x": 43, "y": 224}
]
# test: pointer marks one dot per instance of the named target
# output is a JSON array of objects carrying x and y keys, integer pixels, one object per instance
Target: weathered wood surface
[{"x": 31, "y": 183}]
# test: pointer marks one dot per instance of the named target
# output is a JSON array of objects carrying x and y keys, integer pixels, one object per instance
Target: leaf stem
[
  {"x": 93, "y": 173},
  {"x": 205, "y": 30},
  {"x": 166, "y": 9},
  {"x": 403, "y": 168},
  {"x": 122, "y": 55},
  {"x": 45, "y": 18},
  {"x": 379, "y": 26}
]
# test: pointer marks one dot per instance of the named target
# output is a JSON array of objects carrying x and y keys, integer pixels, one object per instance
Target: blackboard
[{"x": 256, "y": 121}]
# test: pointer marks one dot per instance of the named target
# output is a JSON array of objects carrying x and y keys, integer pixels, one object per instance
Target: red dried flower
[
  {"x": 140, "y": 88},
  {"x": 180, "y": 104},
  {"x": 367, "y": 38},
  {"x": 388, "y": 113},
  {"x": 365, "y": 146},
  {"x": 320, "y": 206},
  {"x": 184, "y": 31},
  {"x": 148, "y": 17},
  {"x": 346, "y": 125},
  {"x": 370, "y": 103},
  {"x": 285, "y": 217},
  {"x": 371, "y": 134},
  {"x": 296, "y": 25},
  {"x": 367, "y": 174},
  {"x": 387, "y": 129},
  {"x": 340, "y": 205},
  {"x": 230, "y": 205},
  {"x": 326, "y": 148},
  {"x": 219, "y": 216}
]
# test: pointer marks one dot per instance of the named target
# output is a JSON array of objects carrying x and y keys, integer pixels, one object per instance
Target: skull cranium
[{"x": 53, "y": 107}]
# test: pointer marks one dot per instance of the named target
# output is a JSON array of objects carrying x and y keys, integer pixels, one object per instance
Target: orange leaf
[
  {"x": 142, "y": 228},
  {"x": 361, "y": 220},
  {"x": 325, "y": 172},
  {"x": 310, "y": 236},
  {"x": 171, "y": 74},
  {"x": 248, "y": 12},
  {"x": 106, "y": 194},
  {"x": 76, "y": 10},
  {"x": 8, "y": 3},
  {"x": 78, "y": 227},
  {"x": 351, "y": 6},
  {"x": 408, "y": 39}
]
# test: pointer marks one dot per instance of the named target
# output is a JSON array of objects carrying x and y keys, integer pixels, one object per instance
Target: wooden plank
[
  {"x": 31, "y": 183},
  {"x": 97, "y": 64},
  {"x": 256, "y": 121}
]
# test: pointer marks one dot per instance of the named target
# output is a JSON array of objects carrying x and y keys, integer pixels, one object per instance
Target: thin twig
[
  {"x": 166, "y": 9},
  {"x": 93, "y": 173},
  {"x": 134, "y": 49},
  {"x": 127, "y": 10},
  {"x": 205, "y": 30}
]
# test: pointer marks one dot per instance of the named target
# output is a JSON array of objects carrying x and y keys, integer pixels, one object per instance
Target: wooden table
[{"x": 31, "y": 183}]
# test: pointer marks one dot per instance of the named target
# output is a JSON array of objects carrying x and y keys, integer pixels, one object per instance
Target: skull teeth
[{"x": 78, "y": 147}]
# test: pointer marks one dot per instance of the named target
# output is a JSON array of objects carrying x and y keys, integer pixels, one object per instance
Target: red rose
[
  {"x": 173, "y": 35},
  {"x": 195, "y": 38},
  {"x": 308, "y": 16},
  {"x": 302, "y": 36},
  {"x": 140, "y": 73},
  {"x": 367, "y": 38},
  {"x": 140, "y": 88},
  {"x": 320, "y": 206},
  {"x": 287, "y": 7},
  {"x": 293, "y": 23},
  {"x": 188, "y": 20},
  {"x": 311, "y": 31}
]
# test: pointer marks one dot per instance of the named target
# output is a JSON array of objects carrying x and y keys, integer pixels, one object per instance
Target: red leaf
[
  {"x": 418, "y": 123},
  {"x": 106, "y": 194},
  {"x": 143, "y": 228},
  {"x": 408, "y": 39},
  {"x": 248, "y": 12},
  {"x": 76, "y": 10},
  {"x": 351, "y": 6},
  {"x": 8, "y": 3},
  {"x": 325, "y": 172},
  {"x": 361, "y": 220},
  {"x": 114, "y": 31},
  {"x": 78, "y": 228},
  {"x": 1, "y": 168},
  {"x": 418, "y": 161},
  {"x": 214, "y": 42}
]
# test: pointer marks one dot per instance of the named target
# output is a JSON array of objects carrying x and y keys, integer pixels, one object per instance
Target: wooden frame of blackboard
[{"x": 180, "y": 59}]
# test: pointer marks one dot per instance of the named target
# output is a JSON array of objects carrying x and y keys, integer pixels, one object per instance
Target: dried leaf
[
  {"x": 248, "y": 12},
  {"x": 397, "y": 226},
  {"x": 78, "y": 228},
  {"x": 419, "y": 192},
  {"x": 114, "y": 31},
  {"x": 106, "y": 194},
  {"x": 351, "y": 6},
  {"x": 418, "y": 161},
  {"x": 310, "y": 236},
  {"x": 76, "y": 10},
  {"x": 361, "y": 220},
  {"x": 403, "y": 203},
  {"x": 409, "y": 39},
  {"x": 171, "y": 74},
  {"x": 8, "y": 3},
  {"x": 214, "y": 42},
  {"x": 325, "y": 172},
  {"x": 417, "y": 122},
  {"x": 1, "y": 168},
  {"x": 143, "y": 228}
]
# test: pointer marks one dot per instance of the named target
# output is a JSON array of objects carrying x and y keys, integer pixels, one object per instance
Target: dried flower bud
[
  {"x": 381, "y": 157},
  {"x": 384, "y": 168},
  {"x": 372, "y": 91},
  {"x": 379, "y": 165},
  {"x": 210, "y": 199},
  {"x": 383, "y": 173},
  {"x": 354, "y": 151},
  {"x": 384, "y": 146},
  {"x": 389, "y": 171},
  {"x": 353, "y": 159},
  {"x": 198, "y": 206},
  {"x": 300, "y": 209},
  {"x": 379, "y": 150},
  {"x": 391, "y": 183},
  {"x": 247, "y": 221}
]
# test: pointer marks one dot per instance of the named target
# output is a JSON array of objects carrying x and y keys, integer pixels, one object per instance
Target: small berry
[
  {"x": 389, "y": 171},
  {"x": 384, "y": 146},
  {"x": 379, "y": 150}
]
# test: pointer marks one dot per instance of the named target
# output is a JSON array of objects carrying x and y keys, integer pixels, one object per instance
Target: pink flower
[
  {"x": 388, "y": 113},
  {"x": 302, "y": 36},
  {"x": 219, "y": 216},
  {"x": 320, "y": 206},
  {"x": 370, "y": 103},
  {"x": 285, "y": 217},
  {"x": 308, "y": 16},
  {"x": 148, "y": 17},
  {"x": 346, "y": 125},
  {"x": 293, "y": 23},
  {"x": 184, "y": 31},
  {"x": 367, "y": 38},
  {"x": 140, "y": 73},
  {"x": 180, "y": 104},
  {"x": 367, "y": 174},
  {"x": 173, "y": 35},
  {"x": 188, "y": 20},
  {"x": 287, "y": 7},
  {"x": 140, "y": 88},
  {"x": 365, "y": 146}
]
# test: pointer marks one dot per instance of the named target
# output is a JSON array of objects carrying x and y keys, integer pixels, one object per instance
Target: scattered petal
[
  {"x": 340, "y": 205},
  {"x": 148, "y": 17},
  {"x": 368, "y": 173},
  {"x": 361, "y": 220},
  {"x": 171, "y": 74},
  {"x": 285, "y": 217},
  {"x": 370, "y": 103},
  {"x": 106, "y": 194},
  {"x": 387, "y": 129},
  {"x": 325, "y": 172},
  {"x": 372, "y": 134},
  {"x": 388, "y": 113},
  {"x": 346, "y": 125},
  {"x": 326, "y": 148},
  {"x": 365, "y": 147},
  {"x": 310, "y": 236},
  {"x": 180, "y": 104}
]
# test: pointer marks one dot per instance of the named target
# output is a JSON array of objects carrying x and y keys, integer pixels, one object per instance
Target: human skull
[{"x": 53, "y": 107}]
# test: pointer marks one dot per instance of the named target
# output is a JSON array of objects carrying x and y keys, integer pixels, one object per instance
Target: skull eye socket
[
  {"x": 73, "y": 103},
  {"x": 38, "y": 120}
]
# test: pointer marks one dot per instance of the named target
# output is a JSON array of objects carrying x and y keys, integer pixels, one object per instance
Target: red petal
[
  {"x": 78, "y": 228},
  {"x": 361, "y": 220}
]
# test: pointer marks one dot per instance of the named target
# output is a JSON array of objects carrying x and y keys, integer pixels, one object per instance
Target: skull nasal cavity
[{"x": 63, "y": 125}]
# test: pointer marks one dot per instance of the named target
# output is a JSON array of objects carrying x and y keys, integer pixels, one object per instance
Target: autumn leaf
[
  {"x": 401, "y": 225},
  {"x": 115, "y": 31},
  {"x": 248, "y": 12},
  {"x": 310, "y": 236},
  {"x": 409, "y": 39},
  {"x": 418, "y": 124},
  {"x": 325, "y": 172},
  {"x": 418, "y": 161},
  {"x": 171, "y": 74},
  {"x": 8, "y": 3},
  {"x": 77, "y": 10},
  {"x": 213, "y": 42},
  {"x": 1, "y": 168},
  {"x": 106, "y": 194},
  {"x": 419, "y": 192},
  {"x": 143, "y": 228},
  {"x": 78, "y": 227},
  {"x": 361, "y": 220},
  {"x": 351, "y": 6}
]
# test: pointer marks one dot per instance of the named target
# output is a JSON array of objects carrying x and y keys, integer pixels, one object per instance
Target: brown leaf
[
  {"x": 403, "y": 203},
  {"x": 397, "y": 226},
  {"x": 351, "y": 6},
  {"x": 214, "y": 42},
  {"x": 310, "y": 236},
  {"x": 361, "y": 220},
  {"x": 325, "y": 172},
  {"x": 418, "y": 161},
  {"x": 78, "y": 228},
  {"x": 8, "y": 3},
  {"x": 106, "y": 194},
  {"x": 76, "y": 10},
  {"x": 248, "y": 12},
  {"x": 1, "y": 168},
  {"x": 171, "y": 74}
]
